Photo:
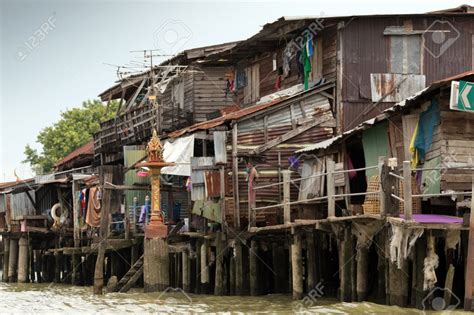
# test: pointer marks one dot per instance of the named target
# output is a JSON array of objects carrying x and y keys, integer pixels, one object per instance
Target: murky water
[{"x": 66, "y": 299}]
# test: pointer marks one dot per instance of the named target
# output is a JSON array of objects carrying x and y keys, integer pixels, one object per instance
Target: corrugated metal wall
[{"x": 21, "y": 204}]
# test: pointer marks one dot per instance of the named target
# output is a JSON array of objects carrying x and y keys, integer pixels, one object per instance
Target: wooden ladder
[{"x": 131, "y": 277}]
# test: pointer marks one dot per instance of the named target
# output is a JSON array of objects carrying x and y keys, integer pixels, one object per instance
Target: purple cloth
[
  {"x": 143, "y": 214},
  {"x": 435, "y": 218}
]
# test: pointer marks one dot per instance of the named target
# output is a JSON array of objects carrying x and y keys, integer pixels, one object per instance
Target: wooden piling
[
  {"x": 420, "y": 255},
  {"x": 219, "y": 286},
  {"x": 239, "y": 290},
  {"x": 253, "y": 260},
  {"x": 362, "y": 269},
  {"x": 232, "y": 276},
  {"x": 204, "y": 268},
  {"x": 23, "y": 261},
  {"x": 280, "y": 268},
  {"x": 311, "y": 261},
  {"x": 345, "y": 256},
  {"x": 296, "y": 267},
  {"x": 13, "y": 261},
  {"x": 186, "y": 271},
  {"x": 156, "y": 265},
  {"x": 6, "y": 258}
]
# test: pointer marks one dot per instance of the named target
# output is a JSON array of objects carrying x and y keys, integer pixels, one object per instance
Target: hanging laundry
[
  {"x": 241, "y": 79},
  {"x": 287, "y": 55},
  {"x": 415, "y": 159},
  {"x": 278, "y": 83},
  {"x": 305, "y": 60},
  {"x": 350, "y": 167},
  {"x": 145, "y": 211},
  {"x": 429, "y": 119},
  {"x": 93, "y": 213}
]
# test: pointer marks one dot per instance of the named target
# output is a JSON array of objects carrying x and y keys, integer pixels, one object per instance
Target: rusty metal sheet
[{"x": 390, "y": 87}]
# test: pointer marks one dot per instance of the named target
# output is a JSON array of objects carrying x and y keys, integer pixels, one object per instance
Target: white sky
[{"x": 66, "y": 66}]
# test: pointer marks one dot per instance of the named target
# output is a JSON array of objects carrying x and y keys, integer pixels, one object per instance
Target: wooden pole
[
  {"x": 407, "y": 195},
  {"x": 23, "y": 259},
  {"x": 186, "y": 272},
  {"x": 286, "y": 196},
  {"x": 76, "y": 230},
  {"x": 106, "y": 176},
  {"x": 232, "y": 276},
  {"x": 296, "y": 266},
  {"x": 253, "y": 257},
  {"x": 219, "y": 287},
  {"x": 6, "y": 258},
  {"x": 13, "y": 261},
  {"x": 345, "y": 248},
  {"x": 279, "y": 267},
  {"x": 331, "y": 189},
  {"x": 311, "y": 260},
  {"x": 470, "y": 258},
  {"x": 235, "y": 176},
  {"x": 204, "y": 268},
  {"x": 251, "y": 202},
  {"x": 362, "y": 269},
  {"x": 238, "y": 268},
  {"x": 382, "y": 195}
]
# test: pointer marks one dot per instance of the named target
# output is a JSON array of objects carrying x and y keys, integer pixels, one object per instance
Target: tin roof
[
  {"x": 408, "y": 102},
  {"x": 86, "y": 149},
  {"x": 243, "y": 112}
]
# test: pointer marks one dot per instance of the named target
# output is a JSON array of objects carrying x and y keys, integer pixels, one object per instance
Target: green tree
[{"x": 75, "y": 128}]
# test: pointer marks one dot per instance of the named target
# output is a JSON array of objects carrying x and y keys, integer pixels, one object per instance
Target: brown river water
[{"x": 67, "y": 299}]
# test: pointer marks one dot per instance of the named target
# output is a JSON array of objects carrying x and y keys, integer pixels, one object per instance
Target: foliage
[{"x": 75, "y": 128}]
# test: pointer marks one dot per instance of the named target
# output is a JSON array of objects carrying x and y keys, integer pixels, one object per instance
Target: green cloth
[
  {"x": 375, "y": 143},
  {"x": 306, "y": 61}
]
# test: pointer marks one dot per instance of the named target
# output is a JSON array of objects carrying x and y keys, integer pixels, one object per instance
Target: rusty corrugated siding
[{"x": 366, "y": 50}]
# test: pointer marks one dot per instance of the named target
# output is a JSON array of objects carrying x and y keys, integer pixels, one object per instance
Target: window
[
  {"x": 252, "y": 89},
  {"x": 405, "y": 49}
]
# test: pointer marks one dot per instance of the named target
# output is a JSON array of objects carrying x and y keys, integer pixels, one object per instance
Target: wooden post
[
  {"x": 222, "y": 193},
  {"x": 470, "y": 257},
  {"x": 251, "y": 201},
  {"x": 232, "y": 276},
  {"x": 13, "y": 261},
  {"x": 286, "y": 196},
  {"x": 296, "y": 266},
  {"x": 106, "y": 176},
  {"x": 23, "y": 259},
  {"x": 331, "y": 189},
  {"x": 311, "y": 260},
  {"x": 235, "y": 177},
  {"x": 253, "y": 258},
  {"x": 186, "y": 272},
  {"x": 6, "y": 258},
  {"x": 239, "y": 289},
  {"x": 407, "y": 205},
  {"x": 382, "y": 196},
  {"x": 76, "y": 230},
  {"x": 219, "y": 288},
  {"x": 345, "y": 255},
  {"x": 362, "y": 269},
  {"x": 204, "y": 268}
]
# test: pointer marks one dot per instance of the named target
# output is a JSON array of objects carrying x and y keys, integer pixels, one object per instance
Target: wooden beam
[{"x": 289, "y": 135}]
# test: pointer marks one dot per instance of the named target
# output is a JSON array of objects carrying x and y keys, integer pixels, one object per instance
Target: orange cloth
[{"x": 93, "y": 209}]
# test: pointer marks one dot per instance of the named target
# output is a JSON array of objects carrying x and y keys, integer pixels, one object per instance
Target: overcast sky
[{"x": 53, "y": 53}]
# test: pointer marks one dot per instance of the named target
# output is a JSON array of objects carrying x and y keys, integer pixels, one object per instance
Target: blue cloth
[{"x": 428, "y": 120}]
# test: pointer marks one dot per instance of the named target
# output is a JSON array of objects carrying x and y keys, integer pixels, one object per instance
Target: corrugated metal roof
[
  {"x": 86, "y": 149},
  {"x": 386, "y": 113},
  {"x": 242, "y": 113}
]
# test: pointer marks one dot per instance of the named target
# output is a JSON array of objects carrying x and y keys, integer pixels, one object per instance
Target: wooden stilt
[
  {"x": 296, "y": 267},
  {"x": 6, "y": 258},
  {"x": 345, "y": 257},
  {"x": 311, "y": 260},
  {"x": 362, "y": 268},
  {"x": 238, "y": 268},
  {"x": 219, "y": 287},
  {"x": 420, "y": 254},
  {"x": 186, "y": 272},
  {"x": 253, "y": 259},
  {"x": 279, "y": 267},
  {"x": 38, "y": 265},
  {"x": 23, "y": 261},
  {"x": 204, "y": 268},
  {"x": 13, "y": 261},
  {"x": 197, "y": 266},
  {"x": 31, "y": 262}
]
